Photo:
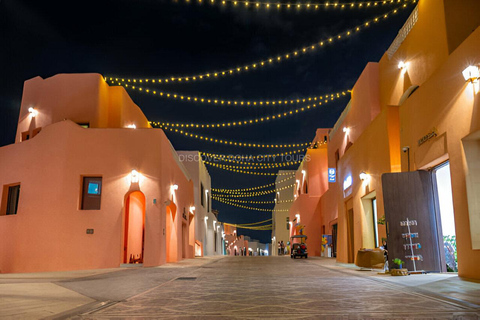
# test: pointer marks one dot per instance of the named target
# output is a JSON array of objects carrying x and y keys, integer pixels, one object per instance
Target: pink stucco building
[{"x": 89, "y": 184}]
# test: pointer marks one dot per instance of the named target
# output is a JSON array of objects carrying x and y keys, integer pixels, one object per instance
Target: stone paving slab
[
  {"x": 279, "y": 288},
  {"x": 37, "y": 300}
]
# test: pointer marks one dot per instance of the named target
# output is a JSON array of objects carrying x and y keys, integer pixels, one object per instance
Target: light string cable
[
  {"x": 298, "y": 6},
  {"x": 255, "y": 202},
  {"x": 251, "y": 193},
  {"x": 248, "y": 207},
  {"x": 260, "y": 102},
  {"x": 261, "y": 157},
  {"x": 249, "y": 167},
  {"x": 220, "y": 166},
  {"x": 235, "y": 143},
  {"x": 247, "y": 224},
  {"x": 251, "y": 188},
  {"x": 259, "y": 120},
  {"x": 266, "y": 62}
]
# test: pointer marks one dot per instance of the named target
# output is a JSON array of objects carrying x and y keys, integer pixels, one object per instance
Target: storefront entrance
[
  {"x": 134, "y": 229},
  {"x": 418, "y": 207}
]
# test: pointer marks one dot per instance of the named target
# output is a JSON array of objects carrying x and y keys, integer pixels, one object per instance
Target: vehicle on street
[{"x": 299, "y": 249}]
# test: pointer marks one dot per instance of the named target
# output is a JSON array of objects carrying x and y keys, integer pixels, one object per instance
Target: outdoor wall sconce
[
  {"x": 303, "y": 172},
  {"x": 364, "y": 176},
  {"x": 402, "y": 65},
  {"x": 346, "y": 130},
  {"x": 134, "y": 176},
  {"x": 132, "y": 126},
  {"x": 471, "y": 74},
  {"x": 32, "y": 112},
  {"x": 192, "y": 209},
  {"x": 174, "y": 187},
  {"x": 298, "y": 217}
]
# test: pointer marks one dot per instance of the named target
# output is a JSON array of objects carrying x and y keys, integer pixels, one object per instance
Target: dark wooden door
[
  {"x": 411, "y": 195},
  {"x": 334, "y": 240},
  {"x": 350, "y": 236}
]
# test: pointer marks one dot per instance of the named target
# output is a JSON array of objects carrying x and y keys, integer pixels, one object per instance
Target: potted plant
[{"x": 398, "y": 263}]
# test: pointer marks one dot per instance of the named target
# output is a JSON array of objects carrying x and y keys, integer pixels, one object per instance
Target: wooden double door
[{"x": 413, "y": 195}]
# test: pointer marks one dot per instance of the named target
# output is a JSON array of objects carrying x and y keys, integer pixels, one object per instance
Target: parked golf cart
[{"x": 299, "y": 249}]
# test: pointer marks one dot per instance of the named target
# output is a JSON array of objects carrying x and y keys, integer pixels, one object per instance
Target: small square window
[
  {"x": 11, "y": 195},
  {"x": 91, "y": 193}
]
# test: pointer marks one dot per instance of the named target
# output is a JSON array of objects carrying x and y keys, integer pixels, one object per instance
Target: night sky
[{"x": 157, "y": 39}]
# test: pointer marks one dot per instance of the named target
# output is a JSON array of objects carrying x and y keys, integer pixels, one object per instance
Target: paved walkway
[{"x": 239, "y": 288}]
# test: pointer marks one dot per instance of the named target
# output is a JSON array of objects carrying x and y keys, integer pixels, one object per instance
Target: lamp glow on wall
[
  {"x": 402, "y": 65},
  {"x": 298, "y": 217},
  {"x": 192, "y": 209},
  {"x": 134, "y": 176},
  {"x": 346, "y": 130},
  {"x": 174, "y": 187},
  {"x": 32, "y": 112},
  {"x": 365, "y": 177},
  {"x": 132, "y": 126},
  {"x": 472, "y": 74}
]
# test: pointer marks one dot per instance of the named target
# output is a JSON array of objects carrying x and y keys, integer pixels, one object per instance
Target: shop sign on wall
[
  {"x": 432, "y": 134},
  {"x": 332, "y": 175}
]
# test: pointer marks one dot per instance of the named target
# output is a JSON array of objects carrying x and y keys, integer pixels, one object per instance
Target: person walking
[{"x": 282, "y": 247}]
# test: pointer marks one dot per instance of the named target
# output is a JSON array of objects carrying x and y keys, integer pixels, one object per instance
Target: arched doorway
[
  {"x": 134, "y": 228},
  {"x": 171, "y": 232}
]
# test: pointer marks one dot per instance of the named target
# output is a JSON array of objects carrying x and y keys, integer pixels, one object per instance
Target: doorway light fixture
[
  {"x": 134, "y": 176},
  {"x": 132, "y": 126},
  {"x": 192, "y": 209},
  {"x": 346, "y": 130},
  {"x": 174, "y": 187},
  {"x": 402, "y": 65},
  {"x": 32, "y": 112},
  {"x": 471, "y": 74},
  {"x": 364, "y": 176}
]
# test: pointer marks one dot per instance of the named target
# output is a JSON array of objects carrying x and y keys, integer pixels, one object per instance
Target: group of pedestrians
[{"x": 282, "y": 249}]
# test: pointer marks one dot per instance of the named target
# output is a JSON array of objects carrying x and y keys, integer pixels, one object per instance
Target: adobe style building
[
  {"x": 208, "y": 230},
  {"x": 280, "y": 215},
  {"x": 89, "y": 184},
  {"x": 407, "y": 146}
]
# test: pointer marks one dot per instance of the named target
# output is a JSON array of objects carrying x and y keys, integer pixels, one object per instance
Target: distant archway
[
  {"x": 171, "y": 232},
  {"x": 134, "y": 228}
]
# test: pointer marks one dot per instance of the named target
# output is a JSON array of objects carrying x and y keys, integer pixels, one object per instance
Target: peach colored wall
[
  {"x": 369, "y": 154},
  {"x": 315, "y": 166},
  {"x": 49, "y": 231},
  {"x": 448, "y": 103},
  {"x": 82, "y": 98}
]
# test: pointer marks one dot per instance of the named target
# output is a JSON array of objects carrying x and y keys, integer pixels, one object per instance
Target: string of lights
[
  {"x": 249, "y": 121},
  {"x": 251, "y": 194},
  {"x": 247, "y": 224},
  {"x": 248, "y": 207},
  {"x": 272, "y": 166},
  {"x": 226, "y": 102},
  {"x": 223, "y": 167},
  {"x": 299, "y": 6},
  {"x": 255, "y": 202},
  {"x": 270, "y": 61},
  {"x": 232, "y": 158},
  {"x": 235, "y": 143},
  {"x": 261, "y": 165},
  {"x": 250, "y": 189},
  {"x": 266, "y": 227}
]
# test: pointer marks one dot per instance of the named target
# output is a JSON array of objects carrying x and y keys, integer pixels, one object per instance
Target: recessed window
[
  {"x": 202, "y": 192},
  {"x": 25, "y": 135},
  {"x": 91, "y": 193},
  {"x": 11, "y": 194}
]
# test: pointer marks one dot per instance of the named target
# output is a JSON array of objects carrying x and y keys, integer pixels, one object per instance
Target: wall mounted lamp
[
  {"x": 471, "y": 74},
  {"x": 364, "y": 176},
  {"x": 134, "y": 176},
  {"x": 346, "y": 130},
  {"x": 32, "y": 112}
]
